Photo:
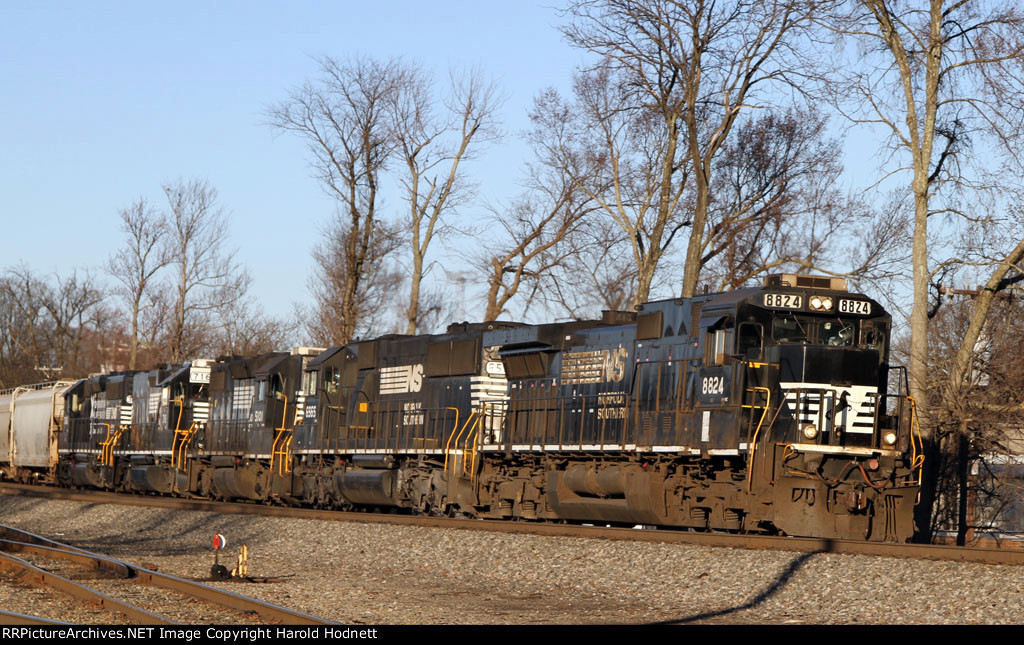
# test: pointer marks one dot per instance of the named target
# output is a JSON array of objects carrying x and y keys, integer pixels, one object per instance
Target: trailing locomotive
[{"x": 764, "y": 409}]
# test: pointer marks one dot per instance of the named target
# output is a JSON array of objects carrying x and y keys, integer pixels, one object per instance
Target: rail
[
  {"x": 30, "y": 541},
  {"x": 40, "y": 577},
  {"x": 1014, "y": 557}
]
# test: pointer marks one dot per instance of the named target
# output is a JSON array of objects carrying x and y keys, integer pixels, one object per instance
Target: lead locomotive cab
[
  {"x": 831, "y": 348},
  {"x": 837, "y": 448}
]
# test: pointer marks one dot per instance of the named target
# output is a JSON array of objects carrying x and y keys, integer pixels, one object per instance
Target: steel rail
[
  {"x": 12, "y": 618},
  {"x": 31, "y": 574},
  {"x": 1014, "y": 557},
  {"x": 269, "y": 612},
  {"x": 118, "y": 569}
]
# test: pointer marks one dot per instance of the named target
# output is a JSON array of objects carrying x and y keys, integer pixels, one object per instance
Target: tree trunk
[
  {"x": 691, "y": 271},
  {"x": 412, "y": 316},
  {"x": 963, "y": 481}
]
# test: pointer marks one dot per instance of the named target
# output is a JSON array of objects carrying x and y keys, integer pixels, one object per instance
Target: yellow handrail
[
  {"x": 182, "y": 438},
  {"x": 471, "y": 424},
  {"x": 448, "y": 444},
  {"x": 916, "y": 460},
  {"x": 283, "y": 465},
  {"x": 107, "y": 445},
  {"x": 474, "y": 436},
  {"x": 181, "y": 410},
  {"x": 284, "y": 443},
  {"x": 753, "y": 442},
  {"x": 103, "y": 444}
]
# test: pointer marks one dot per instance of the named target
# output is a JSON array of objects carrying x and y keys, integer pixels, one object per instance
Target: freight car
[
  {"x": 30, "y": 420},
  {"x": 765, "y": 409}
]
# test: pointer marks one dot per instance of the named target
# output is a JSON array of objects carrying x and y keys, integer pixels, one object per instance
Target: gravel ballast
[{"x": 361, "y": 573}]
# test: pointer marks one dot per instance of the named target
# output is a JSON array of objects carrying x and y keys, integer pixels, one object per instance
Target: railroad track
[
  {"x": 127, "y": 592},
  {"x": 1014, "y": 557}
]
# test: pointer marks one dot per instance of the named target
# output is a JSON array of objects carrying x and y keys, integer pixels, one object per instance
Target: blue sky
[{"x": 104, "y": 101}]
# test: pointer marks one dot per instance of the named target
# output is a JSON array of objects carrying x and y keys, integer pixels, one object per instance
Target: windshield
[
  {"x": 838, "y": 333},
  {"x": 834, "y": 332},
  {"x": 787, "y": 328}
]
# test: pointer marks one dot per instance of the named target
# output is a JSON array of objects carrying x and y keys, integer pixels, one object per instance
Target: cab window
[
  {"x": 309, "y": 383},
  {"x": 838, "y": 333},
  {"x": 332, "y": 376},
  {"x": 750, "y": 340},
  {"x": 719, "y": 346},
  {"x": 787, "y": 328}
]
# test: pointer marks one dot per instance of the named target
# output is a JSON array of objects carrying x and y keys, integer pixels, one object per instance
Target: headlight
[
  {"x": 889, "y": 438},
  {"x": 820, "y": 303},
  {"x": 810, "y": 431}
]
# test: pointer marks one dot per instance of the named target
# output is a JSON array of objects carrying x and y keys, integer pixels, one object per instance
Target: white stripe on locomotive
[{"x": 859, "y": 398}]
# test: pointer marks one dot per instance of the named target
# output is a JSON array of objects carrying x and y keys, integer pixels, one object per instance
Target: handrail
[
  {"x": 182, "y": 439},
  {"x": 474, "y": 433},
  {"x": 753, "y": 442},
  {"x": 107, "y": 426},
  {"x": 472, "y": 416},
  {"x": 472, "y": 424},
  {"x": 448, "y": 444},
  {"x": 280, "y": 441},
  {"x": 181, "y": 411},
  {"x": 178, "y": 431},
  {"x": 916, "y": 460},
  {"x": 107, "y": 445},
  {"x": 283, "y": 465},
  {"x": 37, "y": 386}
]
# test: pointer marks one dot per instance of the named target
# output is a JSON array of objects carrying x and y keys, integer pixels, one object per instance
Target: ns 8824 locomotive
[{"x": 760, "y": 409}]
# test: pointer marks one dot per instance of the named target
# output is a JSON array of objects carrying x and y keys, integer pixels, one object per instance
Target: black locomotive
[{"x": 763, "y": 409}]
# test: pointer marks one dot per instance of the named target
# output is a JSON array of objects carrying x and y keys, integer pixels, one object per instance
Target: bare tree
[
  {"x": 52, "y": 329},
  {"x": 433, "y": 148},
  {"x": 247, "y": 331},
  {"x": 595, "y": 271},
  {"x": 934, "y": 78},
  {"x": 207, "y": 278},
  {"x": 940, "y": 80},
  {"x": 334, "y": 319},
  {"x": 136, "y": 264},
  {"x": 695, "y": 66},
  {"x": 17, "y": 364},
  {"x": 775, "y": 206},
  {"x": 976, "y": 362},
  {"x": 536, "y": 228},
  {"x": 618, "y": 152},
  {"x": 343, "y": 119}
]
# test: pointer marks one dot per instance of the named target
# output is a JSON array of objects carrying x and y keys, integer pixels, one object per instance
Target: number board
[
  {"x": 783, "y": 300},
  {"x": 712, "y": 386},
  {"x": 199, "y": 375},
  {"x": 861, "y": 307}
]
